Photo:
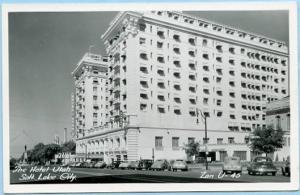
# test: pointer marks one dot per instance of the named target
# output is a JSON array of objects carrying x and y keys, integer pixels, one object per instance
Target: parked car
[
  {"x": 286, "y": 169},
  {"x": 133, "y": 164},
  {"x": 100, "y": 164},
  {"x": 160, "y": 164},
  {"x": 79, "y": 164},
  {"x": 145, "y": 164},
  {"x": 262, "y": 165},
  {"x": 179, "y": 164},
  {"x": 114, "y": 164},
  {"x": 90, "y": 164},
  {"x": 64, "y": 164},
  {"x": 232, "y": 165},
  {"x": 84, "y": 164},
  {"x": 72, "y": 164},
  {"x": 125, "y": 165}
]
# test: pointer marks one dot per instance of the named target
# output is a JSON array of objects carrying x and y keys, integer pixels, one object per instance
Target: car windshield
[{"x": 232, "y": 160}]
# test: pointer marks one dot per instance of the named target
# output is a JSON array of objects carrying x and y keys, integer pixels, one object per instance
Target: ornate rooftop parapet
[{"x": 177, "y": 19}]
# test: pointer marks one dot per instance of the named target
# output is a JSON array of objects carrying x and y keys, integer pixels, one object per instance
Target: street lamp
[{"x": 204, "y": 116}]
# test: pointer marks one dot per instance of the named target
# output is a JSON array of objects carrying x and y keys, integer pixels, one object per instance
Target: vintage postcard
[{"x": 143, "y": 98}]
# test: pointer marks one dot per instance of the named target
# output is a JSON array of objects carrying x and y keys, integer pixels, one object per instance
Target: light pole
[{"x": 204, "y": 116}]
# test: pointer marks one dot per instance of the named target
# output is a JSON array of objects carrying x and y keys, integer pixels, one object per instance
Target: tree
[
  {"x": 51, "y": 150},
  {"x": 69, "y": 147},
  {"x": 266, "y": 140},
  {"x": 38, "y": 153},
  {"x": 12, "y": 161},
  {"x": 192, "y": 148}
]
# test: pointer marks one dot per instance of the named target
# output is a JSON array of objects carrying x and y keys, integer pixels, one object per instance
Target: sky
[{"x": 44, "y": 49}]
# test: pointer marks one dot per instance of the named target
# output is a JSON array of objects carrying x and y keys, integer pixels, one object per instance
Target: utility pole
[
  {"x": 205, "y": 129},
  {"x": 204, "y": 116}
]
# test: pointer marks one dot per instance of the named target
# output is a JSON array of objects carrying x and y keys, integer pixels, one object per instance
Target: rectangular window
[
  {"x": 205, "y": 141},
  {"x": 247, "y": 139},
  {"x": 191, "y": 140},
  {"x": 175, "y": 143},
  {"x": 241, "y": 154},
  {"x": 142, "y": 41},
  {"x": 220, "y": 141},
  {"x": 231, "y": 140},
  {"x": 288, "y": 122},
  {"x": 158, "y": 143}
]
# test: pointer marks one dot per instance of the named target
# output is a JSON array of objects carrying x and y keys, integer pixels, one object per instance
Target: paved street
[{"x": 92, "y": 175}]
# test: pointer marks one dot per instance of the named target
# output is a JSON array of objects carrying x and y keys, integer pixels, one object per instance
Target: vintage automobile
[
  {"x": 160, "y": 165},
  {"x": 286, "y": 169},
  {"x": 145, "y": 164},
  {"x": 232, "y": 165},
  {"x": 91, "y": 164},
  {"x": 100, "y": 164},
  {"x": 114, "y": 164},
  {"x": 85, "y": 164},
  {"x": 133, "y": 164},
  {"x": 179, "y": 164},
  {"x": 261, "y": 165},
  {"x": 72, "y": 164},
  {"x": 79, "y": 164},
  {"x": 125, "y": 165}
]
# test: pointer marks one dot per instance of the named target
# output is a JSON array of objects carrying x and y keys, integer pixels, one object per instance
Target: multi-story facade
[
  {"x": 163, "y": 67},
  {"x": 89, "y": 99},
  {"x": 278, "y": 116}
]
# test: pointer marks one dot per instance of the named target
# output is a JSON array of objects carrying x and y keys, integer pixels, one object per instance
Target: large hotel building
[{"x": 164, "y": 70}]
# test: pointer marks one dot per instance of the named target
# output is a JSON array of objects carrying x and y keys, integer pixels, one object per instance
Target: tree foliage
[
  {"x": 192, "y": 148},
  {"x": 69, "y": 146},
  {"x": 42, "y": 153},
  {"x": 266, "y": 140},
  {"x": 50, "y": 151}
]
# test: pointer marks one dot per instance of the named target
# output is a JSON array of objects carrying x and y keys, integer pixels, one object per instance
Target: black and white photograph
[{"x": 183, "y": 95}]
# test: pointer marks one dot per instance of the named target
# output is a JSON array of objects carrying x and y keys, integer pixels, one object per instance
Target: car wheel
[
  {"x": 274, "y": 173},
  {"x": 249, "y": 172}
]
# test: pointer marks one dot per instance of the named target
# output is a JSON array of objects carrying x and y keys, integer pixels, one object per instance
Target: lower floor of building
[{"x": 135, "y": 143}]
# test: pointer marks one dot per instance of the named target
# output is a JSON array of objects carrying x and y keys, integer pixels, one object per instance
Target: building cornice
[
  {"x": 221, "y": 37},
  {"x": 87, "y": 60},
  {"x": 104, "y": 132},
  {"x": 117, "y": 21},
  {"x": 209, "y": 32}
]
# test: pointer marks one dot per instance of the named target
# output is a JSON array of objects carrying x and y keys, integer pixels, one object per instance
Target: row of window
[
  {"x": 159, "y": 143},
  {"x": 215, "y": 27},
  {"x": 192, "y": 66},
  {"x": 262, "y": 68},
  {"x": 218, "y": 113}
]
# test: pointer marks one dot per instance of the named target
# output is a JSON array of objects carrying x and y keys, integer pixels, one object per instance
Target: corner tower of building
[{"x": 89, "y": 99}]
